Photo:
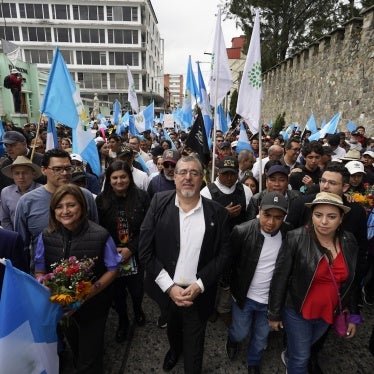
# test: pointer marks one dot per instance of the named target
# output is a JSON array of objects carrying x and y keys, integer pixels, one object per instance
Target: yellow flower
[{"x": 62, "y": 299}]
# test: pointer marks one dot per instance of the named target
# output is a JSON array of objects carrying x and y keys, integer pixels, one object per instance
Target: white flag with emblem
[
  {"x": 250, "y": 92},
  {"x": 131, "y": 92}
]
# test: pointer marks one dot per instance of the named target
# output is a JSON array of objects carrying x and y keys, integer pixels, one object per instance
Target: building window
[
  {"x": 88, "y": 12},
  {"x": 124, "y": 58},
  {"x": 38, "y": 56},
  {"x": 122, "y": 36},
  {"x": 60, "y": 11},
  {"x": 36, "y": 34},
  {"x": 91, "y": 58},
  {"x": 9, "y": 33},
  {"x": 118, "y": 81},
  {"x": 67, "y": 55},
  {"x": 8, "y": 10},
  {"x": 37, "y": 11},
  {"x": 62, "y": 35},
  {"x": 89, "y": 36},
  {"x": 93, "y": 80},
  {"x": 122, "y": 13}
]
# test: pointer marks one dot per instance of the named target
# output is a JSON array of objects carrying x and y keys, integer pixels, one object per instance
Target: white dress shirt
[{"x": 191, "y": 230}]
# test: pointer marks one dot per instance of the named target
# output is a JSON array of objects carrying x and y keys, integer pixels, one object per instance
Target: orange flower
[{"x": 62, "y": 299}]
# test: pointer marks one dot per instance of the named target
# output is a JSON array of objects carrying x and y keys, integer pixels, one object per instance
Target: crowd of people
[{"x": 277, "y": 241}]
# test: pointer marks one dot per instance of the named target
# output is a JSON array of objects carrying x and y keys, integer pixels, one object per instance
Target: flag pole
[
  {"x": 215, "y": 108},
  {"x": 260, "y": 156},
  {"x": 36, "y": 137}
]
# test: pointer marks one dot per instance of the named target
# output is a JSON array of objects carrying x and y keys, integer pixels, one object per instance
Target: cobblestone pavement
[{"x": 145, "y": 349}]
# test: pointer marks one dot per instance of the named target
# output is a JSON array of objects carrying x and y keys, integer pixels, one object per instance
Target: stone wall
[{"x": 334, "y": 74}]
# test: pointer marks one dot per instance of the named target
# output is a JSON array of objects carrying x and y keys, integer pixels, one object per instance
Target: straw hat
[
  {"x": 330, "y": 199},
  {"x": 351, "y": 155},
  {"x": 22, "y": 161}
]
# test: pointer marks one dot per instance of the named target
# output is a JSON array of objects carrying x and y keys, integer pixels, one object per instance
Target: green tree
[
  {"x": 278, "y": 124},
  {"x": 233, "y": 102},
  {"x": 290, "y": 25}
]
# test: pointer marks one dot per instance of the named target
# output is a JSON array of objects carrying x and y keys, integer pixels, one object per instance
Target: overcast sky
[{"x": 188, "y": 27}]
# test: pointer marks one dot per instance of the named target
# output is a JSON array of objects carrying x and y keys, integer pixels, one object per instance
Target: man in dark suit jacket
[
  {"x": 184, "y": 246},
  {"x": 11, "y": 247}
]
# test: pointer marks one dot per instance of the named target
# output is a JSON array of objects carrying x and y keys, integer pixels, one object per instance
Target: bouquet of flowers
[
  {"x": 366, "y": 198},
  {"x": 70, "y": 281}
]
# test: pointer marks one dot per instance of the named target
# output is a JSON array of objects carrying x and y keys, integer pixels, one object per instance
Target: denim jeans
[
  {"x": 301, "y": 335},
  {"x": 251, "y": 318}
]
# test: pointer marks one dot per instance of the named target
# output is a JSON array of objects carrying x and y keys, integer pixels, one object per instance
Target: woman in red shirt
[{"x": 303, "y": 295}]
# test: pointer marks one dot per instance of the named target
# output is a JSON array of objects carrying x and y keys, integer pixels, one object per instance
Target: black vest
[
  {"x": 237, "y": 197},
  {"x": 87, "y": 241}
]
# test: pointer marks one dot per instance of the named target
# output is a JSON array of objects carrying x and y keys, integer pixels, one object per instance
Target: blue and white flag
[
  {"x": 63, "y": 103},
  {"x": 167, "y": 137},
  {"x": 351, "y": 126},
  {"x": 52, "y": 141},
  {"x": 222, "y": 123},
  {"x": 220, "y": 74},
  {"x": 28, "y": 320},
  {"x": 311, "y": 125},
  {"x": 132, "y": 92},
  {"x": 243, "y": 142},
  {"x": 250, "y": 91},
  {"x": 287, "y": 133},
  {"x": 329, "y": 128},
  {"x": 117, "y": 116},
  {"x": 144, "y": 119},
  {"x": 205, "y": 106},
  {"x": 190, "y": 91}
]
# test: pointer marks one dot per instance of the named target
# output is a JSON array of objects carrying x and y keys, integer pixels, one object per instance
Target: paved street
[{"x": 144, "y": 352}]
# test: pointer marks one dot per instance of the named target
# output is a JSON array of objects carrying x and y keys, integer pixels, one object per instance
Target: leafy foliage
[
  {"x": 278, "y": 124},
  {"x": 290, "y": 25},
  {"x": 233, "y": 103}
]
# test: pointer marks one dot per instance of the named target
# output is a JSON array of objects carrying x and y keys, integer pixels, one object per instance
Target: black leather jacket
[
  {"x": 246, "y": 241},
  {"x": 295, "y": 269}
]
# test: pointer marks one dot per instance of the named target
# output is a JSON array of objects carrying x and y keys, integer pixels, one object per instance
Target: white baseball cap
[
  {"x": 355, "y": 167},
  {"x": 76, "y": 157},
  {"x": 369, "y": 153}
]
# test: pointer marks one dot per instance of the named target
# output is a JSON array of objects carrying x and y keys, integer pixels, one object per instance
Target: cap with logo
[
  {"x": 170, "y": 155},
  {"x": 274, "y": 200},
  {"x": 355, "y": 167},
  {"x": 11, "y": 137},
  {"x": 125, "y": 151},
  {"x": 229, "y": 163}
]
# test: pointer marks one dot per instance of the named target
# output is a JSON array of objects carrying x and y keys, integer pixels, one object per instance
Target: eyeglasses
[
  {"x": 296, "y": 149},
  {"x": 60, "y": 170},
  {"x": 183, "y": 172},
  {"x": 168, "y": 165},
  {"x": 332, "y": 183}
]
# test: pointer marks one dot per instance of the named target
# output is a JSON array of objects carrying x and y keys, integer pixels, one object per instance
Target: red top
[{"x": 322, "y": 298}]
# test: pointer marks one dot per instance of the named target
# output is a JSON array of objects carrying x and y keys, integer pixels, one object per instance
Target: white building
[{"x": 97, "y": 39}]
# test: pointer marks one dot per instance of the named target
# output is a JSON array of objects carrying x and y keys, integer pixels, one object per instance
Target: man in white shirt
[
  {"x": 184, "y": 247},
  {"x": 275, "y": 153},
  {"x": 255, "y": 244}
]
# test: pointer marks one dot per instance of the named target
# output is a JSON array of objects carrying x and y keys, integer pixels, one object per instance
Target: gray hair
[{"x": 190, "y": 158}]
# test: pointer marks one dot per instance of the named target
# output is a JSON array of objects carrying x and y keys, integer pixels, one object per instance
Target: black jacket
[
  {"x": 295, "y": 269},
  {"x": 246, "y": 242},
  {"x": 160, "y": 242},
  {"x": 108, "y": 208}
]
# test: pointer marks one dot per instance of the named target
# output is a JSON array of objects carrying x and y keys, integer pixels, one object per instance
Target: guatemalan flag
[
  {"x": 62, "y": 102},
  {"x": 52, "y": 141},
  {"x": 28, "y": 320}
]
